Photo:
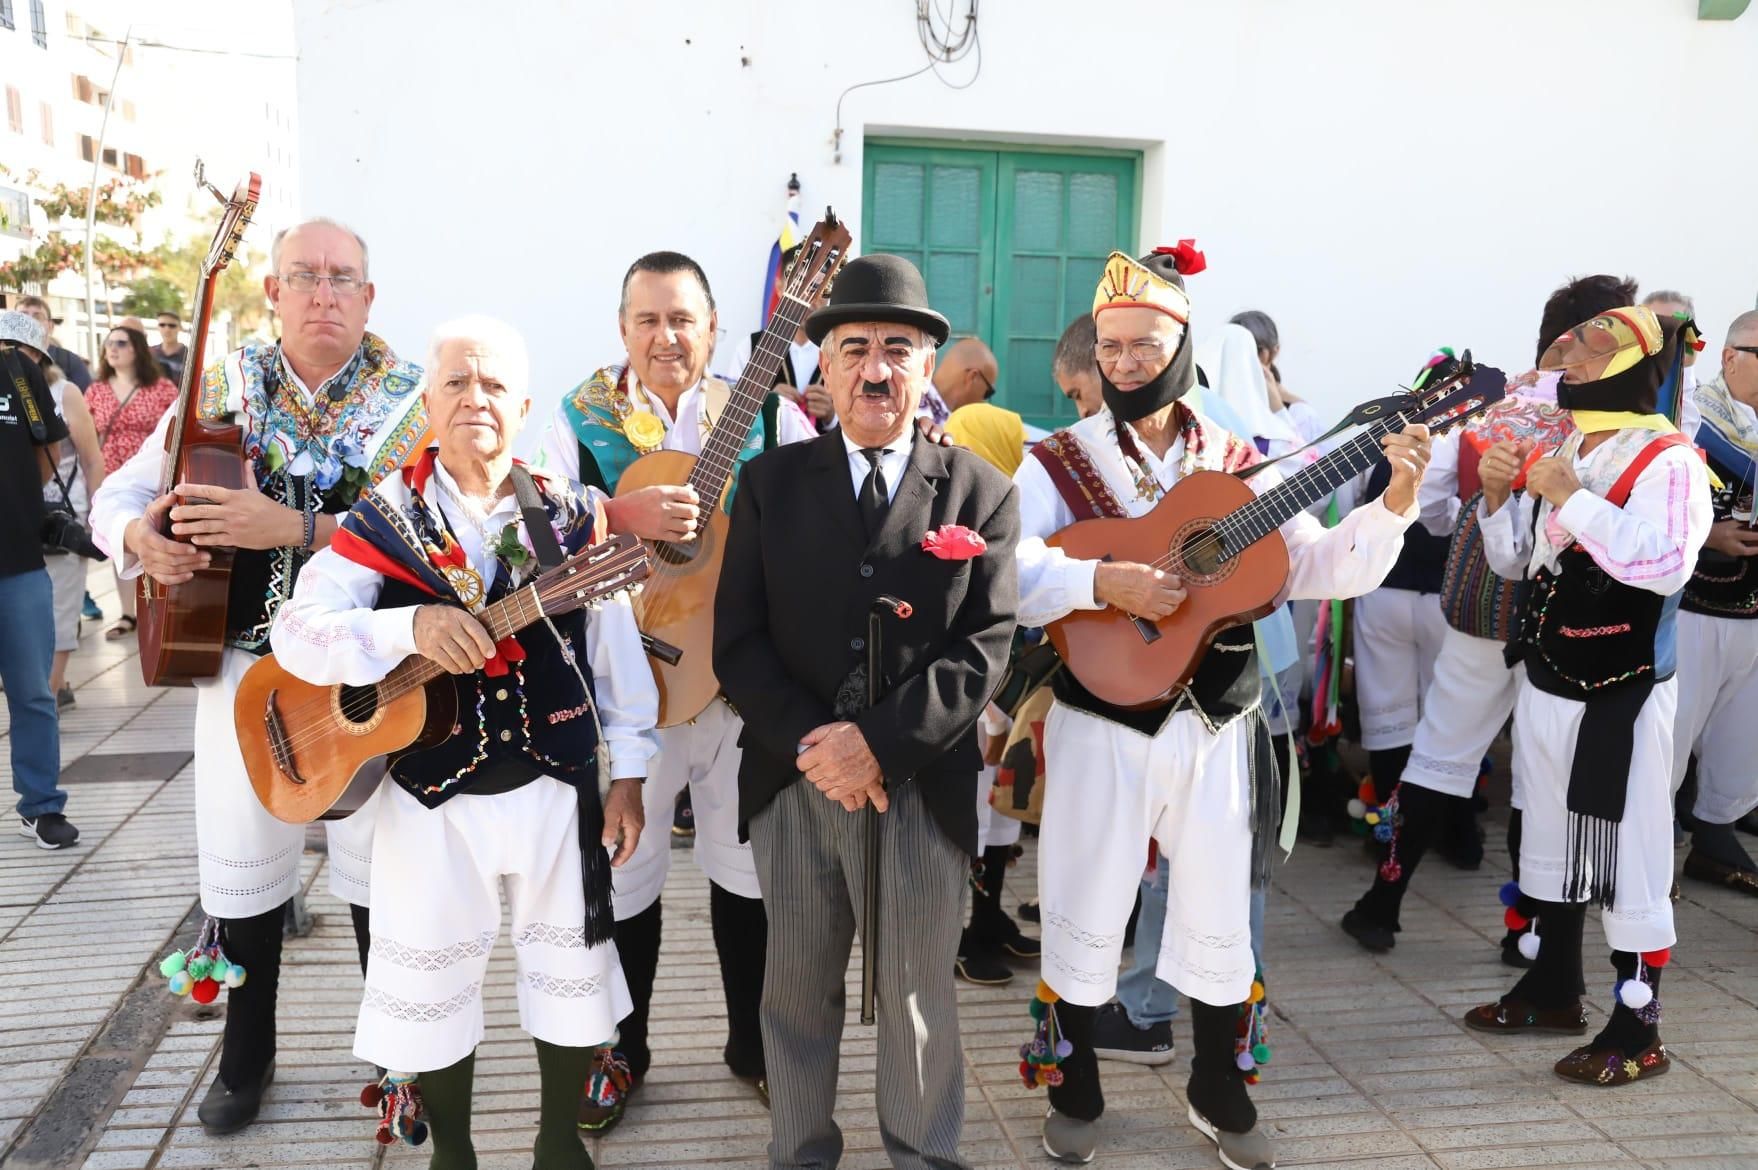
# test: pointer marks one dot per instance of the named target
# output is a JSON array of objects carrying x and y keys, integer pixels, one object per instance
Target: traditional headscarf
[
  {"x": 998, "y": 435},
  {"x": 1236, "y": 377}
]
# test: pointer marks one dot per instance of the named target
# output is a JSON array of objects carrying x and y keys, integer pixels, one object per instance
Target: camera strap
[{"x": 33, "y": 413}]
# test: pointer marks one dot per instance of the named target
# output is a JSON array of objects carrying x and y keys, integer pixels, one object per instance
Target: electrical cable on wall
[{"x": 942, "y": 45}]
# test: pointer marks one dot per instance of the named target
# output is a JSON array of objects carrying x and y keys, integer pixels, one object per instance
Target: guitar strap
[
  {"x": 1077, "y": 481},
  {"x": 1363, "y": 414},
  {"x": 537, "y": 527}
]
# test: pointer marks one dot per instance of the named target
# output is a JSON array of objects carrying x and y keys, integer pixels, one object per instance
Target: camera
[{"x": 63, "y": 533}]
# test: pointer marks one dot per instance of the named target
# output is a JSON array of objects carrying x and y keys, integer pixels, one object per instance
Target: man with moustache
[
  {"x": 819, "y": 533},
  {"x": 327, "y": 412},
  {"x": 1179, "y": 775},
  {"x": 661, "y": 397}
]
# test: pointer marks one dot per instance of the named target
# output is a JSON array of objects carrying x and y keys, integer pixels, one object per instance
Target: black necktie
[{"x": 875, "y": 497}]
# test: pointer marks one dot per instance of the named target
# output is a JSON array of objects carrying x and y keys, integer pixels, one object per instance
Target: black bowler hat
[{"x": 878, "y": 288}]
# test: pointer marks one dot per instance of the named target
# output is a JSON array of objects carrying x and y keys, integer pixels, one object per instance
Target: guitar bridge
[{"x": 279, "y": 745}]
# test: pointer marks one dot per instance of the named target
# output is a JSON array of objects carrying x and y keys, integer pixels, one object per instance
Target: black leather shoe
[
  {"x": 226, "y": 1110},
  {"x": 1371, "y": 935}
]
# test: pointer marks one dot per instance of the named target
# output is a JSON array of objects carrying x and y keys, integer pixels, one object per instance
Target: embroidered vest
[
  {"x": 369, "y": 439},
  {"x": 598, "y": 410},
  {"x": 1724, "y": 586},
  {"x": 1583, "y": 633},
  {"x": 530, "y": 722},
  {"x": 1226, "y": 683}
]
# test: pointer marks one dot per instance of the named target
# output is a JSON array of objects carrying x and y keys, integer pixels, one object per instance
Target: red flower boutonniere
[{"x": 954, "y": 542}]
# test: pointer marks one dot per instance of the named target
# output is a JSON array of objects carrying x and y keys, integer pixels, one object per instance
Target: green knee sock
[
  {"x": 446, "y": 1095},
  {"x": 563, "y": 1075}
]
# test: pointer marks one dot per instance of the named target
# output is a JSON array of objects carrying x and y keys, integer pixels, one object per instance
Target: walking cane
[{"x": 882, "y": 605}]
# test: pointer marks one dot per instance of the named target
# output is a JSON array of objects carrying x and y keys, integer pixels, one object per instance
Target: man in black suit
[{"x": 819, "y": 530}]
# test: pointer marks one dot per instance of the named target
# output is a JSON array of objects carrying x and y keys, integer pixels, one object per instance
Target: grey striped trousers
[{"x": 810, "y": 865}]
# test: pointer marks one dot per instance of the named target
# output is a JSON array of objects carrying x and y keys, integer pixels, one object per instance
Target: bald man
[{"x": 966, "y": 373}]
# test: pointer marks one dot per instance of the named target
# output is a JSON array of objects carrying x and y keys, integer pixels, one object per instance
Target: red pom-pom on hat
[{"x": 1185, "y": 257}]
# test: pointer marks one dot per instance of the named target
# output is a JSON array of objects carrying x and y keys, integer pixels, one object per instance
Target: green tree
[
  {"x": 151, "y": 295},
  {"x": 239, "y": 288},
  {"x": 120, "y": 204}
]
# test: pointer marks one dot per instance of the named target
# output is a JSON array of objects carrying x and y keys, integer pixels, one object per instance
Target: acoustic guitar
[
  {"x": 312, "y": 752},
  {"x": 1222, "y": 539},
  {"x": 677, "y": 607},
  {"x": 183, "y": 627}
]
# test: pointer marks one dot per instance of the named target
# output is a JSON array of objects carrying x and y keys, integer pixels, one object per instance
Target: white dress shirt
[
  {"x": 896, "y": 457},
  {"x": 329, "y": 632}
]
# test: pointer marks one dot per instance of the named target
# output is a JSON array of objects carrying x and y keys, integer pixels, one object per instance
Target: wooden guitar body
[
  {"x": 1137, "y": 663},
  {"x": 183, "y": 627},
  {"x": 677, "y": 604},
  {"x": 336, "y": 738}
]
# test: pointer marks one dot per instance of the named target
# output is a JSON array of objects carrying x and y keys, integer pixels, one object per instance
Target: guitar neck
[
  {"x": 503, "y": 619},
  {"x": 194, "y": 360},
  {"x": 720, "y": 454},
  {"x": 1306, "y": 487}
]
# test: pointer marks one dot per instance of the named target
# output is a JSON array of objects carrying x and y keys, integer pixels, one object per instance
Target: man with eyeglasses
[
  {"x": 1193, "y": 776},
  {"x": 662, "y": 397},
  {"x": 327, "y": 412},
  {"x": 1718, "y": 627},
  {"x": 171, "y": 352}
]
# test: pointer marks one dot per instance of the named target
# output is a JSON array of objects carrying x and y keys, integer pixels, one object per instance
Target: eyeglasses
[
  {"x": 1752, "y": 349},
  {"x": 167, "y": 324},
  {"x": 988, "y": 386},
  {"x": 344, "y": 284},
  {"x": 1107, "y": 352},
  {"x": 118, "y": 343}
]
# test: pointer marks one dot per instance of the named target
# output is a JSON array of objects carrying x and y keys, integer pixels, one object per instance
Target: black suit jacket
[{"x": 790, "y": 618}]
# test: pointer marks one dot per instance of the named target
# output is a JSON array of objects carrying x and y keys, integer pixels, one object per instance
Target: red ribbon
[
  {"x": 1185, "y": 257},
  {"x": 506, "y": 650}
]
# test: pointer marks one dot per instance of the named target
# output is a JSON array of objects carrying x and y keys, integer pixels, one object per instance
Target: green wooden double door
[{"x": 1011, "y": 243}]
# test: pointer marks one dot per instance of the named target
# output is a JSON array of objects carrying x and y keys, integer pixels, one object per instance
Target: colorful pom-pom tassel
[
  {"x": 1528, "y": 946},
  {"x": 172, "y": 963},
  {"x": 1509, "y": 894},
  {"x": 234, "y": 976},
  {"x": 1357, "y": 808},
  {"x": 180, "y": 983},
  {"x": 204, "y": 991},
  {"x": 398, "y": 1100},
  {"x": 1260, "y": 1053},
  {"x": 1658, "y": 958},
  {"x": 1514, "y": 919},
  {"x": 1244, "y": 1062},
  {"x": 1634, "y": 994}
]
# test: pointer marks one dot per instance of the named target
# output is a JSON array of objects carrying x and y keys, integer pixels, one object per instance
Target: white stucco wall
[{"x": 1382, "y": 176}]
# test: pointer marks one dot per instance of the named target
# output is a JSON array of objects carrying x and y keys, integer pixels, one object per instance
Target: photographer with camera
[
  {"x": 67, "y": 496},
  {"x": 30, "y": 435}
]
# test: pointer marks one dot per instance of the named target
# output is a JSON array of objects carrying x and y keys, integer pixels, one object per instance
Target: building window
[
  {"x": 48, "y": 124},
  {"x": 39, "y": 25},
  {"x": 110, "y": 157},
  {"x": 87, "y": 145},
  {"x": 82, "y": 88},
  {"x": 6, "y": 20},
  {"x": 14, "y": 110},
  {"x": 15, "y": 212},
  {"x": 134, "y": 166}
]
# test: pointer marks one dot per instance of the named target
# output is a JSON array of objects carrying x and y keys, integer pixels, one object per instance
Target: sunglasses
[{"x": 1752, "y": 349}]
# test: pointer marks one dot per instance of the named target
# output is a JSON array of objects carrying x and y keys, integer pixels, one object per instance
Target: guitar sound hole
[
  {"x": 359, "y": 704},
  {"x": 673, "y": 553},
  {"x": 1201, "y": 550}
]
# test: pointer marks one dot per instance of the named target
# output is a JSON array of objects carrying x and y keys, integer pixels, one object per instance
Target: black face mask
[
  {"x": 1167, "y": 387},
  {"x": 1635, "y": 389}
]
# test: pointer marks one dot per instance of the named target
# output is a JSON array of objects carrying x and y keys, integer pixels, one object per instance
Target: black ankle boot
[
  {"x": 1216, "y": 1088},
  {"x": 247, "y": 1047}
]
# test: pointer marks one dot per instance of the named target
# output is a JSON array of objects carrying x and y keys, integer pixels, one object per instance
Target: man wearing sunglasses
[
  {"x": 327, "y": 412},
  {"x": 171, "y": 352},
  {"x": 967, "y": 373}
]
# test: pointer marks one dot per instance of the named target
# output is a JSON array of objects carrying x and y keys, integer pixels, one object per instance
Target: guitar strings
[{"x": 528, "y": 602}]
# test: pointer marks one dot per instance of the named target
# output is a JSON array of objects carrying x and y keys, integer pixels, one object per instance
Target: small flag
[{"x": 787, "y": 238}]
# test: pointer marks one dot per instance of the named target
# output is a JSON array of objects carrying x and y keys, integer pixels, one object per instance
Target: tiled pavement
[{"x": 1372, "y": 1068}]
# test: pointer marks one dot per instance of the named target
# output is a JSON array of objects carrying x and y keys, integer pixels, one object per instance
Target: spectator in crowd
[
  {"x": 69, "y": 362},
  {"x": 171, "y": 353},
  {"x": 1075, "y": 370},
  {"x": 1263, "y": 330},
  {"x": 129, "y": 397},
  {"x": 30, "y": 436},
  {"x": 77, "y": 475}
]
